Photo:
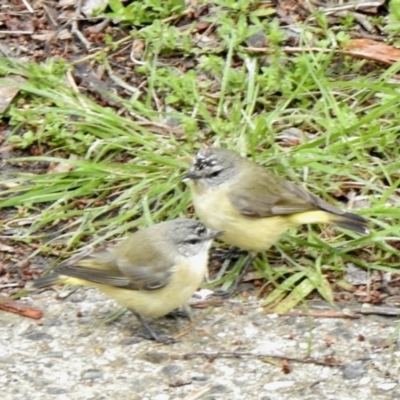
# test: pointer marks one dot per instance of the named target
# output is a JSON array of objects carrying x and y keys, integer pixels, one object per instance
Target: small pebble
[
  {"x": 52, "y": 322},
  {"x": 161, "y": 396},
  {"x": 154, "y": 357},
  {"x": 364, "y": 381},
  {"x": 386, "y": 386},
  {"x": 39, "y": 336},
  {"x": 92, "y": 374},
  {"x": 129, "y": 341},
  {"x": 55, "y": 390},
  {"x": 171, "y": 369},
  {"x": 258, "y": 39},
  {"x": 353, "y": 369},
  {"x": 278, "y": 385},
  {"x": 219, "y": 389},
  {"x": 341, "y": 333},
  {"x": 200, "y": 378}
]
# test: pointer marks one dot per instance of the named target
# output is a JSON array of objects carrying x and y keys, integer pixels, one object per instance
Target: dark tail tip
[
  {"x": 48, "y": 280},
  {"x": 352, "y": 222}
]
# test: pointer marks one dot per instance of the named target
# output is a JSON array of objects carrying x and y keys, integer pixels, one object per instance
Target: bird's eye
[
  {"x": 214, "y": 174},
  {"x": 193, "y": 241}
]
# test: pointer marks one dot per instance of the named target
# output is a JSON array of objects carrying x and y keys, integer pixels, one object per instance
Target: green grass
[{"x": 123, "y": 162}]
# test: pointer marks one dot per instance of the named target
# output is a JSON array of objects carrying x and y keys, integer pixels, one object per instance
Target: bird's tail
[
  {"x": 343, "y": 219},
  {"x": 352, "y": 222},
  {"x": 49, "y": 280}
]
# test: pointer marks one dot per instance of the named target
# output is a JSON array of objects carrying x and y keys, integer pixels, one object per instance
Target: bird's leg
[
  {"x": 226, "y": 257},
  {"x": 150, "y": 333},
  {"x": 233, "y": 288},
  {"x": 178, "y": 314},
  {"x": 185, "y": 313},
  {"x": 226, "y": 254}
]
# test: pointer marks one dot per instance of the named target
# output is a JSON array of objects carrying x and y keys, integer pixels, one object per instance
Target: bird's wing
[
  {"x": 265, "y": 195},
  {"x": 313, "y": 200},
  {"x": 106, "y": 268}
]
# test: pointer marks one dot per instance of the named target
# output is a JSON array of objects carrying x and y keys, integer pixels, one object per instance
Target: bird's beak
[
  {"x": 214, "y": 234},
  {"x": 189, "y": 176}
]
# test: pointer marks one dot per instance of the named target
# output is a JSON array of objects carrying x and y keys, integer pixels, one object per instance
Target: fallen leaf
[
  {"x": 45, "y": 36},
  {"x": 373, "y": 50},
  {"x": 8, "y": 90},
  {"x": 55, "y": 168},
  {"x": 64, "y": 34},
  {"x": 90, "y": 6},
  {"x": 6, "y": 248}
]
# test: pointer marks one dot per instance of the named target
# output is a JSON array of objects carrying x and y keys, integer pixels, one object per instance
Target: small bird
[
  {"x": 151, "y": 273},
  {"x": 253, "y": 206}
]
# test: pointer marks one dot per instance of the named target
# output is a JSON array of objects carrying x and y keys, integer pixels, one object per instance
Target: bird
[
  {"x": 253, "y": 206},
  {"x": 151, "y": 273}
]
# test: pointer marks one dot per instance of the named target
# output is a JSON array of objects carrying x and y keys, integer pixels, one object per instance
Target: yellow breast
[
  {"x": 253, "y": 234},
  {"x": 188, "y": 274},
  {"x": 156, "y": 303}
]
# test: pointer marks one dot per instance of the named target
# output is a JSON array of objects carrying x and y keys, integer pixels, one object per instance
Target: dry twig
[
  {"x": 211, "y": 355},
  {"x": 319, "y": 314},
  {"x": 17, "y": 307}
]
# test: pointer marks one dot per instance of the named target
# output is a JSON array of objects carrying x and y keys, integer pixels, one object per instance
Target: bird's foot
[{"x": 153, "y": 335}]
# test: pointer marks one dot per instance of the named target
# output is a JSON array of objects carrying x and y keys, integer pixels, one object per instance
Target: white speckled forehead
[{"x": 205, "y": 157}]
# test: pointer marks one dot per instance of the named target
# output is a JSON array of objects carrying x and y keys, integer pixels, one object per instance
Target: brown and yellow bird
[
  {"x": 151, "y": 273},
  {"x": 253, "y": 206}
]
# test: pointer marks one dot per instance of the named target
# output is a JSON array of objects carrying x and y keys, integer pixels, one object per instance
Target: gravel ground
[{"x": 70, "y": 354}]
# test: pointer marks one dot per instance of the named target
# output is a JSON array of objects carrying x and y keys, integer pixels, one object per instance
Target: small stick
[
  {"x": 289, "y": 50},
  {"x": 18, "y": 32},
  {"x": 318, "y": 314},
  {"x": 79, "y": 34},
  {"x": 184, "y": 332},
  {"x": 28, "y": 6},
  {"x": 206, "y": 303},
  {"x": 330, "y": 361},
  {"x": 17, "y": 307},
  {"x": 199, "y": 393},
  {"x": 75, "y": 29},
  {"x": 388, "y": 311}
]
